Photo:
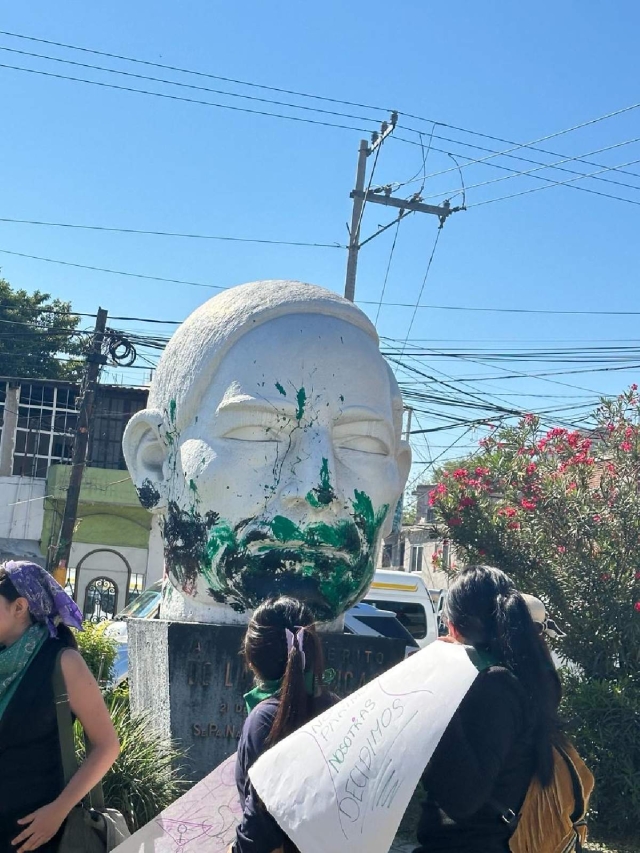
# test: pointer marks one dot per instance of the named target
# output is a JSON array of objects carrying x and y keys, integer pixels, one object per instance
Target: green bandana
[
  {"x": 15, "y": 659},
  {"x": 267, "y": 689}
]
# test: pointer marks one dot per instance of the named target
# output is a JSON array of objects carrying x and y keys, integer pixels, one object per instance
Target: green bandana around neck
[
  {"x": 267, "y": 689},
  {"x": 15, "y": 660}
]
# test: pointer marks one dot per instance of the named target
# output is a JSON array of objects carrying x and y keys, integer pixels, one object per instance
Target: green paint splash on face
[
  {"x": 281, "y": 389},
  {"x": 284, "y": 530},
  {"x": 172, "y": 411},
  {"x": 301, "y": 397},
  {"x": 330, "y": 566},
  {"x": 323, "y": 494}
]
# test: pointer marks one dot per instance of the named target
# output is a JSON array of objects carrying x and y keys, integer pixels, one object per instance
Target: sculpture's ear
[
  {"x": 404, "y": 457},
  {"x": 403, "y": 460},
  {"x": 145, "y": 453}
]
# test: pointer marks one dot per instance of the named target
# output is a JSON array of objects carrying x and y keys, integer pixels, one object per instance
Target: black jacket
[{"x": 486, "y": 752}]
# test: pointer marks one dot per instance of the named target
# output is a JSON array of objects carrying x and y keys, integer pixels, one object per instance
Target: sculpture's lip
[{"x": 263, "y": 546}]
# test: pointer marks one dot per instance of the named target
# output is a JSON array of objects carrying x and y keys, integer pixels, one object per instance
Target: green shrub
[
  {"x": 604, "y": 721},
  {"x": 144, "y": 780},
  {"x": 98, "y": 650}
]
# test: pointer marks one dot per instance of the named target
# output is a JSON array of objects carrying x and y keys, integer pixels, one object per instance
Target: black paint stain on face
[
  {"x": 148, "y": 495},
  {"x": 185, "y": 542}
]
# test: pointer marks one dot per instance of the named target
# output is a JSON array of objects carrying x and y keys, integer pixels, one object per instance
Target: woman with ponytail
[
  {"x": 502, "y": 735},
  {"x": 36, "y": 616},
  {"x": 284, "y": 653}
]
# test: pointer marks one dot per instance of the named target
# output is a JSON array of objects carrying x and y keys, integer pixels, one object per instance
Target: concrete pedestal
[{"x": 190, "y": 678}]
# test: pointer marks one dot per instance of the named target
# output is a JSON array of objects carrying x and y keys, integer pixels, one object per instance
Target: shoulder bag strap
[{"x": 66, "y": 736}]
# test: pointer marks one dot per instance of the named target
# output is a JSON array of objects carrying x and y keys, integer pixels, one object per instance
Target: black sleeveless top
[{"x": 31, "y": 773}]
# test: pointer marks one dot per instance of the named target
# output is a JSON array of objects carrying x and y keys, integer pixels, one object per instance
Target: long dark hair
[
  {"x": 266, "y": 652},
  {"x": 11, "y": 594},
  {"x": 491, "y": 615}
]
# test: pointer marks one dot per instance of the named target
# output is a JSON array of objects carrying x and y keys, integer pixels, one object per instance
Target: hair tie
[{"x": 296, "y": 641}]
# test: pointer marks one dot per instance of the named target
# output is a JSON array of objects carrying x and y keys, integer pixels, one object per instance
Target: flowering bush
[{"x": 559, "y": 511}]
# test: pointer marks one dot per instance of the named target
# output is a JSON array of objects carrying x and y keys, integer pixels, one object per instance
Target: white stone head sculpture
[{"x": 271, "y": 447}]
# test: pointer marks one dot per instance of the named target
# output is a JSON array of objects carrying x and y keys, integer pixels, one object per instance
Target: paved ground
[{"x": 400, "y": 846}]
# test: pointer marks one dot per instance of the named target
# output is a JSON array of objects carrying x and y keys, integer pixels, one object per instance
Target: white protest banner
[
  {"x": 203, "y": 820},
  {"x": 343, "y": 781}
]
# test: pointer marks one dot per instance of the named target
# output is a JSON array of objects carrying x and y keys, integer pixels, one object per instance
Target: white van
[{"x": 408, "y": 597}]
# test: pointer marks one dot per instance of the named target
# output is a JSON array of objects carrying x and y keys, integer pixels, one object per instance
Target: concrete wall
[
  {"x": 21, "y": 514},
  {"x": 109, "y": 512}
]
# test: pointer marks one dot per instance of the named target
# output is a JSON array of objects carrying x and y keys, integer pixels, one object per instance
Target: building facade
[
  {"x": 420, "y": 546},
  {"x": 117, "y": 547}
]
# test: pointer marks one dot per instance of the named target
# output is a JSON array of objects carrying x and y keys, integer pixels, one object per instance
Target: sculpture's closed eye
[{"x": 256, "y": 433}]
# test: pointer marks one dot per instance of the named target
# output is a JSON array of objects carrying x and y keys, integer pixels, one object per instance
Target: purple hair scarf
[{"x": 48, "y": 602}]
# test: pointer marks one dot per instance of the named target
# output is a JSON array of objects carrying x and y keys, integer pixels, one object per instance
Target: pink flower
[
  {"x": 597, "y": 519},
  {"x": 531, "y": 468},
  {"x": 466, "y": 502},
  {"x": 605, "y": 577},
  {"x": 528, "y": 419},
  {"x": 514, "y": 525},
  {"x": 460, "y": 474},
  {"x": 509, "y": 511},
  {"x": 626, "y": 446},
  {"x": 455, "y": 521},
  {"x": 561, "y": 549},
  {"x": 636, "y": 606},
  {"x": 482, "y": 553},
  {"x": 482, "y": 472},
  {"x": 527, "y": 504},
  {"x": 573, "y": 438},
  {"x": 611, "y": 427},
  {"x": 557, "y": 432},
  {"x": 638, "y": 576},
  {"x": 634, "y": 387}
]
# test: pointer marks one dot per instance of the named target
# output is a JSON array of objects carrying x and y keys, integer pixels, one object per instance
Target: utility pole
[
  {"x": 407, "y": 432},
  {"x": 380, "y": 195},
  {"x": 95, "y": 360},
  {"x": 354, "y": 231}
]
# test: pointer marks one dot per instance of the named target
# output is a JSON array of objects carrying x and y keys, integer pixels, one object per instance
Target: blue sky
[{"x": 77, "y": 153}]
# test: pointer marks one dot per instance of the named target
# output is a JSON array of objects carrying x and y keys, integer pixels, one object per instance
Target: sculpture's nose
[{"x": 309, "y": 471}]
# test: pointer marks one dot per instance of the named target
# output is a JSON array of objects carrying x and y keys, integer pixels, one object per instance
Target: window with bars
[
  {"x": 416, "y": 558},
  {"x": 112, "y": 412},
  {"x": 47, "y": 420}
]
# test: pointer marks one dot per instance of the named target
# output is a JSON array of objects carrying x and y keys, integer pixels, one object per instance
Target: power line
[
  {"x": 531, "y": 146},
  {"x": 548, "y": 186},
  {"x": 531, "y": 172},
  {"x": 281, "y": 90},
  {"x": 386, "y": 275},
  {"x": 182, "y": 98},
  {"x": 164, "y": 81},
  {"x": 504, "y": 310},
  {"x": 579, "y": 159},
  {"x": 111, "y": 271},
  {"x": 557, "y": 133},
  {"x": 516, "y": 172},
  {"x": 172, "y": 234},
  {"x": 210, "y": 76},
  {"x": 424, "y": 282}
]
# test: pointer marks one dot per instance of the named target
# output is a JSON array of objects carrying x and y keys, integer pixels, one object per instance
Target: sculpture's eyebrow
[{"x": 259, "y": 405}]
